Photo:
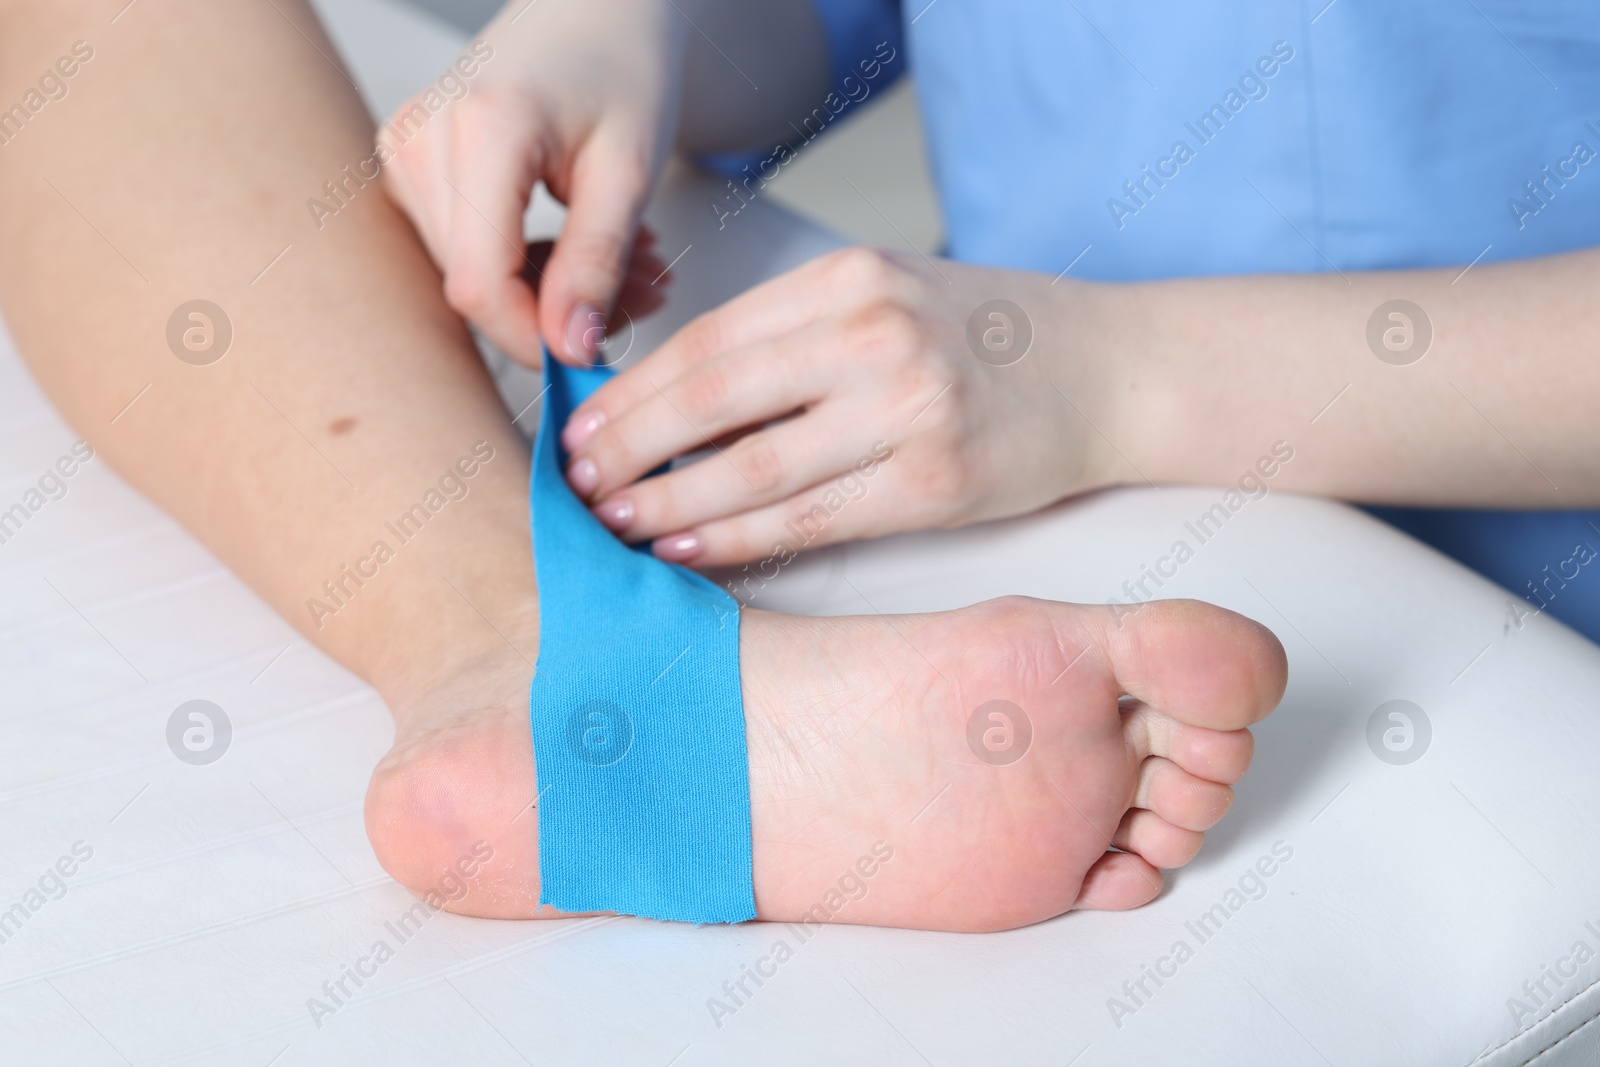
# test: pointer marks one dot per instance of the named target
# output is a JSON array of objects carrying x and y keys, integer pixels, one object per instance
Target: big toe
[{"x": 1197, "y": 663}]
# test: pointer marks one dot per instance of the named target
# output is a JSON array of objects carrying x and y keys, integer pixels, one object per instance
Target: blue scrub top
[{"x": 1268, "y": 136}]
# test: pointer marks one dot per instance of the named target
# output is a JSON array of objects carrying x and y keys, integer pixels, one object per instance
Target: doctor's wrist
[{"x": 1086, "y": 379}]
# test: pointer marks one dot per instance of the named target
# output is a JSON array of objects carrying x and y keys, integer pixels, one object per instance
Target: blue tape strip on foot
[{"x": 638, "y": 717}]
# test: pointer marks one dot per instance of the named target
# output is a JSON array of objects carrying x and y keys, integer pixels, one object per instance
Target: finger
[
  {"x": 1179, "y": 797},
  {"x": 814, "y": 291},
  {"x": 644, "y": 287},
  {"x": 1118, "y": 881},
  {"x": 610, "y": 181},
  {"x": 744, "y": 388},
  {"x": 1160, "y": 843},
  {"x": 534, "y": 258},
  {"x": 412, "y": 180},
  {"x": 837, "y": 510},
  {"x": 646, "y": 266},
  {"x": 493, "y": 169},
  {"x": 1216, "y": 755},
  {"x": 761, "y": 468}
]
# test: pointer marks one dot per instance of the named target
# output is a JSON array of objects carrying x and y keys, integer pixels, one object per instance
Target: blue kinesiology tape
[{"x": 638, "y": 718}]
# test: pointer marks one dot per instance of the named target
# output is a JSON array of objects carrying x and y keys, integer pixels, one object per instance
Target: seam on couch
[
  {"x": 1544, "y": 1022},
  {"x": 1562, "y": 1040}
]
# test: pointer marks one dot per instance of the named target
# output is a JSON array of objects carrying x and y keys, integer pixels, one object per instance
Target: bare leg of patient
[{"x": 178, "y": 167}]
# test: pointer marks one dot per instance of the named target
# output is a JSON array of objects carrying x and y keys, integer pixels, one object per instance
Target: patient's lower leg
[{"x": 178, "y": 168}]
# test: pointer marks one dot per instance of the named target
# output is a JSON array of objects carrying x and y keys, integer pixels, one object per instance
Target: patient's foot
[{"x": 862, "y": 746}]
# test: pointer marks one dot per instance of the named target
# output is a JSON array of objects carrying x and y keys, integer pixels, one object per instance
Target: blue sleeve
[
  {"x": 866, "y": 52},
  {"x": 863, "y": 36}
]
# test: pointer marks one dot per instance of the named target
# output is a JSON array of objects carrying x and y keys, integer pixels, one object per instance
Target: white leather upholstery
[{"x": 1405, "y": 902}]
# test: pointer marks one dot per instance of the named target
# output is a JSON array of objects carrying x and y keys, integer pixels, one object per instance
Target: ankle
[{"x": 455, "y": 666}]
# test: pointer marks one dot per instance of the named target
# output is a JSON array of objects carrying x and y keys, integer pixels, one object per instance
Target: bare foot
[{"x": 967, "y": 770}]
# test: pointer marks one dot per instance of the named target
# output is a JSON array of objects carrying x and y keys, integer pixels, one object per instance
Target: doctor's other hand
[
  {"x": 581, "y": 95},
  {"x": 863, "y": 393}
]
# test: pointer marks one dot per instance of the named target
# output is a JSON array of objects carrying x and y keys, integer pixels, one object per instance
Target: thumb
[{"x": 493, "y": 163}]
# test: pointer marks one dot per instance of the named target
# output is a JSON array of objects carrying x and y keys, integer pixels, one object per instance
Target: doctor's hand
[
  {"x": 861, "y": 394},
  {"x": 579, "y": 94}
]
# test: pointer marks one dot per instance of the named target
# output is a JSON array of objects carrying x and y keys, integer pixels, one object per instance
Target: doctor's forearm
[{"x": 1481, "y": 392}]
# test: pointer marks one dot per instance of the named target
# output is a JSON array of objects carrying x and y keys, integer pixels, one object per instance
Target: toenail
[
  {"x": 584, "y": 476},
  {"x": 680, "y": 548},
  {"x": 580, "y": 429},
  {"x": 616, "y": 513}
]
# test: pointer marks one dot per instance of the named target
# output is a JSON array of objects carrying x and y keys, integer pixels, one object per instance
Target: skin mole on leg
[{"x": 341, "y": 426}]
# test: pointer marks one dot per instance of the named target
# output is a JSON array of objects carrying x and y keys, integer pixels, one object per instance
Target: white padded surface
[{"x": 218, "y": 899}]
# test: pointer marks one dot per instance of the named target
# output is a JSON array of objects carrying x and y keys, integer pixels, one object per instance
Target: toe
[
  {"x": 1179, "y": 797},
  {"x": 1216, "y": 755},
  {"x": 1156, "y": 840},
  {"x": 1200, "y": 664},
  {"x": 1118, "y": 881}
]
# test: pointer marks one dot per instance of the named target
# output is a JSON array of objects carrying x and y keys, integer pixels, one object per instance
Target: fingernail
[
  {"x": 585, "y": 330},
  {"x": 584, "y": 476},
  {"x": 678, "y": 548},
  {"x": 616, "y": 513},
  {"x": 581, "y": 429}
]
